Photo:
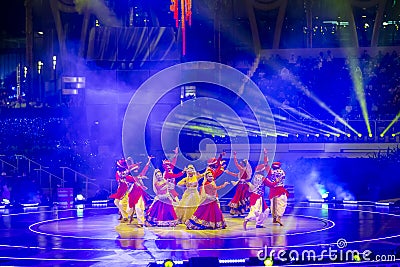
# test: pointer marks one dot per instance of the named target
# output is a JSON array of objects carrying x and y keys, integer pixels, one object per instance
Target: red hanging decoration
[{"x": 186, "y": 16}]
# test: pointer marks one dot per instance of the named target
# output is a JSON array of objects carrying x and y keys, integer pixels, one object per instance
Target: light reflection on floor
[{"x": 94, "y": 236}]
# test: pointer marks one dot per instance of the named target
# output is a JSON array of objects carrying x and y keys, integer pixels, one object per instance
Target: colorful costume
[
  {"x": 120, "y": 197},
  {"x": 258, "y": 207},
  {"x": 208, "y": 215},
  {"x": 215, "y": 165},
  {"x": 191, "y": 197},
  {"x": 278, "y": 195},
  {"x": 161, "y": 211},
  {"x": 240, "y": 201},
  {"x": 137, "y": 197},
  {"x": 170, "y": 176}
]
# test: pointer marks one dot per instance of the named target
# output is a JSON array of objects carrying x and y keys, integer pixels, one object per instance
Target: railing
[
  {"x": 41, "y": 170},
  {"x": 30, "y": 163},
  {"x": 5, "y": 163},
  {"x": 51, "y": 176},
  {"x": 87, "y": 180}
]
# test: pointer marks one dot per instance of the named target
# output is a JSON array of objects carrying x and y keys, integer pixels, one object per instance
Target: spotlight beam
[
  {"x": 356, "y": 76},
  {"x": 207, "y": 126},
  {"x": 308, "y": 93},
  {"x": 296, "y": 127},
  {"x": 304, "y": 115},
  {"x": 152, "y": 44},
  {"x": 319, "y": 122},
  {"x": 391, "y": 124}
]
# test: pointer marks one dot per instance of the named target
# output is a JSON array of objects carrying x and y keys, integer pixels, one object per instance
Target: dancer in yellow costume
[{"x": 191, "y": 197}]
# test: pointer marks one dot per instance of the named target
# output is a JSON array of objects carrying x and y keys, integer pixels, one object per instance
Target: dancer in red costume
[
  {"x": 208, "y": 215},
  {"x": 170, "y": 176},
  {"x": 278, "y": 194},
  {"x": 240, "y": 201},
  {"x": 161, "y": 211},
  {"x": 258, "y": 207},
  {"x": 216, "y": 165},
  {"x": 138, "y": 197},
  {"x": 121, "y": 175}
]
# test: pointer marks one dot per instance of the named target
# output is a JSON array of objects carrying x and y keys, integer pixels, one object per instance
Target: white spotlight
[{"x": 79, "y": 197}]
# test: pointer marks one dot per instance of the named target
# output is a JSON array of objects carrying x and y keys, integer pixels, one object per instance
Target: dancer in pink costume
[
  {"x": 161, "y": 212},
  {"x": 208, "y": 215},
  {"x": 240, "y": 201}
]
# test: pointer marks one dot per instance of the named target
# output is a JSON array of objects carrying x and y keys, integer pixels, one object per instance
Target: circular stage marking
[
  {"x": 155, "y": 241},
  {"x": 295, "y": 225},
  {"x": 34, "y": 227}
]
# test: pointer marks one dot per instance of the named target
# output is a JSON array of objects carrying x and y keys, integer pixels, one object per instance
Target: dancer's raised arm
[
  {"x": 237, "y": 164},
  {"x": 266, "y": 161},
  {"x": 220, "y": 168},
  {"x": 231, "y": 173},
  {"x": 175, "y": 158},
  {"x": 146, "y": 167}
]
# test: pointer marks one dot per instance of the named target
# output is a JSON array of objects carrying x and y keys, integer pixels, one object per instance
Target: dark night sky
[{"x": 12, "y": 18}]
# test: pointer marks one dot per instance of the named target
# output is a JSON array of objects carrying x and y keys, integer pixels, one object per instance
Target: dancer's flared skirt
[
  {"x": 240, "y": 201},
  {"x": 161, "y": 213},
  {"x": 207, "y": 216}
]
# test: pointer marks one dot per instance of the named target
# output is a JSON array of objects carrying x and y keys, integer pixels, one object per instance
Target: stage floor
[{"x": 93, "y": 236}]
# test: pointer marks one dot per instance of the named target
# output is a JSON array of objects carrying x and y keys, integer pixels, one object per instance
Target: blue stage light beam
[
  {"x": 306, "y": 116},
  {"x": 296, "y": 128},
  {"x": 288, "y": 76},
  {"x": 213, "y": 127},
  {"x": 207, "y": 126}
]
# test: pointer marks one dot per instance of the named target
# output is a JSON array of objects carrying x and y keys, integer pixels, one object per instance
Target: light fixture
[
  {"x": 325, "y": 195},
  {"x": 169, "y": 263},
  {"x": 54, "y": 62},
  {"x": 268, "y": 262},
  {"x": 79, "y": 197}
]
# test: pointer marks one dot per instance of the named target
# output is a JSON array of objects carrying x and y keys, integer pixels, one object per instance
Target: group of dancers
[{"x": 199, "y": 207}]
